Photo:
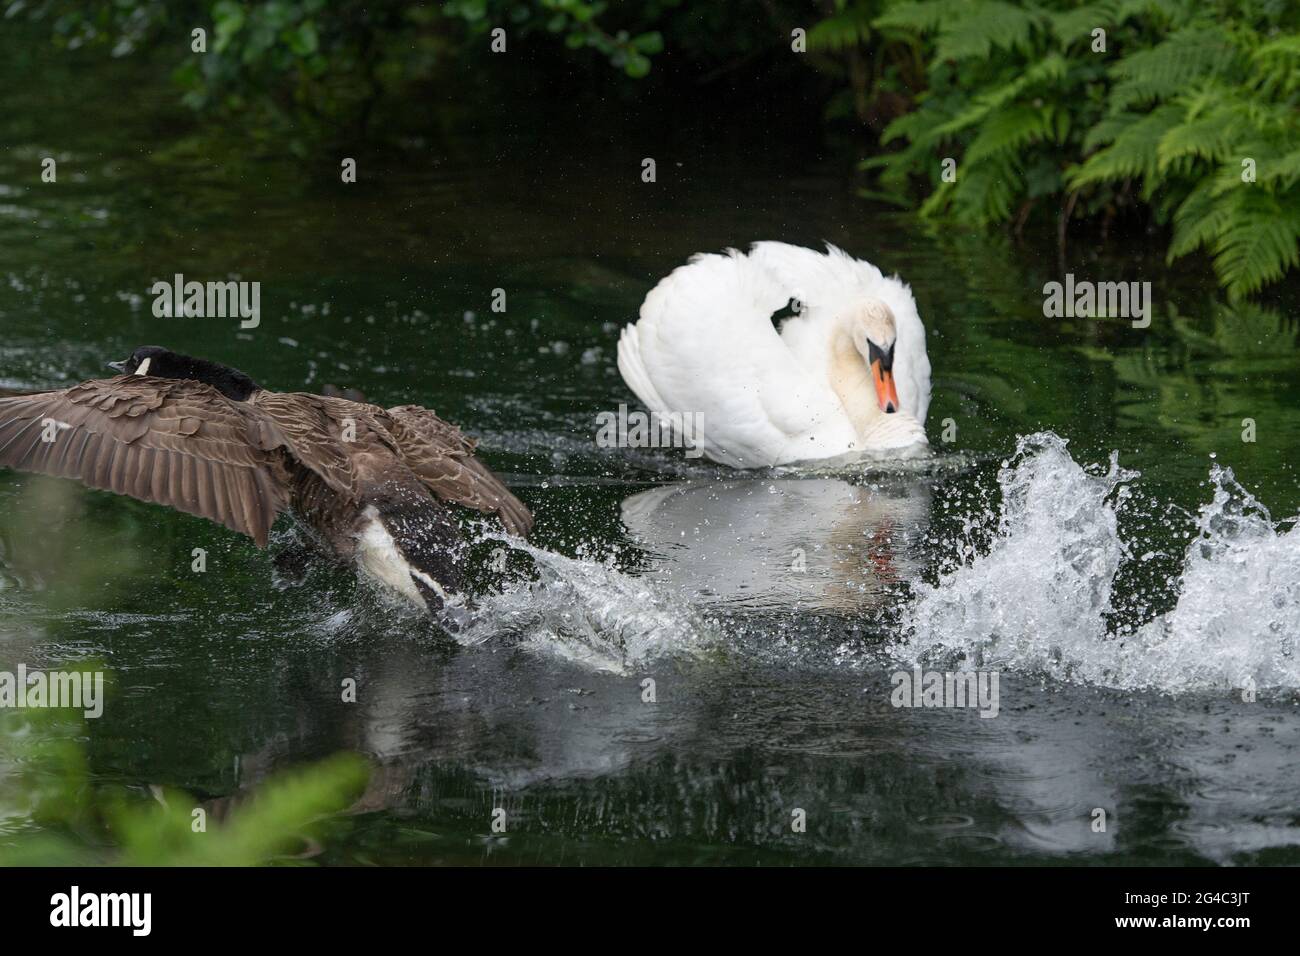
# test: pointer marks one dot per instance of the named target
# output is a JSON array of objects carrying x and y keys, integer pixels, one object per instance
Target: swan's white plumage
[
  {"x": 705, "y": 344},
  {"x": 827, "y": 285}
]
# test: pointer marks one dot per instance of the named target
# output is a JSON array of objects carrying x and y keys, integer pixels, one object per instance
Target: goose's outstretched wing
[
  {"x": 177, "y": 443},
  {"x": 318, "y": 432},
  {"x": 827, "y": 284},
  {"x": 442, "y": 457},
  {"x": 705, "y": 345}
]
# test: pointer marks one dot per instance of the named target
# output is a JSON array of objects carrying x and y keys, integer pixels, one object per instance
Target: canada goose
[
  {"x": 846, "y": 377},
  {"x": 206, "y": 439}
]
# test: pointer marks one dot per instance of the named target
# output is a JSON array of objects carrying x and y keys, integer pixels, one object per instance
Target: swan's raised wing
[
  {"x": 829, "y": 284},
  {"x": 705, "y": 345}
]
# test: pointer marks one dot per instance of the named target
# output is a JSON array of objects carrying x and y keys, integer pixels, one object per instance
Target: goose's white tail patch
[{"x": 379, "y": 556}]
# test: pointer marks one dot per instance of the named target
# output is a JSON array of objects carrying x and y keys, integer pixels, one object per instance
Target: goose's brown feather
[
  {"x": 442, "y": 457},
  {"x": 323, "y": 434},
  {"x": 184, "y": 444},
  {"x": 171, "y": 441}
]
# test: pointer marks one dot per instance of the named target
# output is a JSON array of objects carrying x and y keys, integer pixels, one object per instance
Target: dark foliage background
[{"x": 1118, "y": 114}]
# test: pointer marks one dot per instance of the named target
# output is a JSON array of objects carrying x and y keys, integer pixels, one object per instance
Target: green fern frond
[
  {"x": 1211, "y": 137},
  {"x": 1108, "y": 129},
  {"x": 1276, "y": 65},
  {"x": 924, "y": 16},
  {"x": 1131, "y": 8},
  {"x": 847, "y": 28},
  {"x": 939, "y": 201},
  {"x": 988, "y": 25},
  {"x": 1010, "y": 129},
  {"x": 1047, "y": 71},
  {"x": 916, "y": 127},
  {"x": 921, "y": 131},
  {"x": 1133, "y": 151},
  {"x": 984, "y": 193},
  {"x": 1199, "y": 220},
  {"x": 1286, "y": 46},
  {"x": 1227, "y": 177},
  {"x": 1170, "y": 67},
  {"x": 876, "y": 195},
  {"x": 1283, "y": 173},
  {"x": 967, "y": 30},
  {"x": 1279, "y": 116},
  {"x": 1189, "y": 95},
  {"x": 1070, "y": 25},
  {"x": 1259, "y": 243}
]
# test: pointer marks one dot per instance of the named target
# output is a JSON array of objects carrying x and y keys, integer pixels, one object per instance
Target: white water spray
[{"x": 1037, "y": 600}]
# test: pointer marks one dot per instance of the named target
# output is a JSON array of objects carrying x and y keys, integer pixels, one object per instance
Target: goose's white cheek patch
[{"x": 144, "y": 366}]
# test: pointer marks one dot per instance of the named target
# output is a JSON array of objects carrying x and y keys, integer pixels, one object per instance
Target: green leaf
[
  {"x": 228, "y": 21},
  {"x": 636, "y": 66},
  {"x": 649, "y": 43},
  {"x": 304, "y": 41}
]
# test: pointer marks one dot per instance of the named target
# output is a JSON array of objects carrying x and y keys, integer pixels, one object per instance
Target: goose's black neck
[{"x": 230, "y": 382}]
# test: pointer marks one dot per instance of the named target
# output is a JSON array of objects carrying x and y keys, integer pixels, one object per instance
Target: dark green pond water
[{"x": 1123, "y": 625}]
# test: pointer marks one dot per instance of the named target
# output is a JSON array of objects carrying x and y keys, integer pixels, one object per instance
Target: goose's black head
[{"x": 156, "y": 361}]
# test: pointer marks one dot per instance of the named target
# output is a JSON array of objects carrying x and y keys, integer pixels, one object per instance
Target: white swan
[{"x": 846, "y": 377}]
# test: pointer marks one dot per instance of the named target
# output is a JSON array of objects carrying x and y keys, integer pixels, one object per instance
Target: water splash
[
  {"x": 1039, "y": 598},
  {"x": 588, "y": 612},
  {"x": 1238, "y": 612},
  {"x": 1036, "y": 587}
]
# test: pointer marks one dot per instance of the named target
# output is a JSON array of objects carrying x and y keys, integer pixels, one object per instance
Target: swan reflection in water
[{"x": 821, "y": 544}]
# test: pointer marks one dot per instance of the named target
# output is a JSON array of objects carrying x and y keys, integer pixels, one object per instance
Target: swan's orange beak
[{"x": 886, "y": 394}]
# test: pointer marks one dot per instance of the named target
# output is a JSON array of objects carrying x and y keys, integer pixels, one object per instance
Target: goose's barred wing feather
[
  {"x": 174, "y": 442},
  {"x": 183, "y": 444},
  {"x": 443, "y": 459},
  {"x": 319, "y": 432}
]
